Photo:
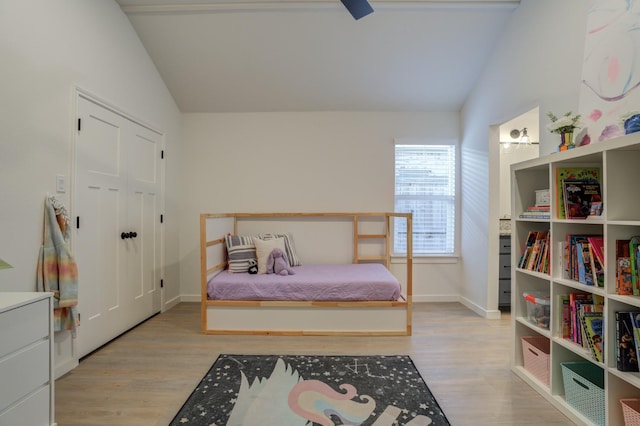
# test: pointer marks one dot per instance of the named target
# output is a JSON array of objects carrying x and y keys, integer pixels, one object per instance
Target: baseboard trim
[
  {"x": 435, "y": 298},
  {"x": 425, "y": 298},
  {"x": 485, "y": 313},
  {"x": 190, "y": 298},
  {"x": 63, "y": 368},
  {"x": 171, "y": 303}
]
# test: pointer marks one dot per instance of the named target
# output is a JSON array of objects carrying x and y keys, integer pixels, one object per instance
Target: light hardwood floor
[{"x": 144, "y": 377}]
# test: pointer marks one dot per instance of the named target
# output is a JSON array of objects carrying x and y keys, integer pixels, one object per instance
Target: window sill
[{"x": 417, "y": 260}]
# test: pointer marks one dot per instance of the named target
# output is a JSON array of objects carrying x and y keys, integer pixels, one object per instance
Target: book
[
  {"x": 624, "y": 285},
  {"x": 563, "y": 250},
  {"x": 576, "y": 256},
  {"x": 596, "y": 208},
  {"x": 535, "y": 215},
  {"x": 565, "y": 317},
  {"x": 597, "y": 268},
  {"x": 634, "y": 245},
  {"x": 580, "y": 263},
  {"x": 575, "y": 300},
  {"x": 578, "y": 196},
  {"x": 538, "y": 208},
  {"x": 635, "y": 326},
  {"x": 592, "y": 323},
  {"x": 543, "y": 265},
  {"x": 597, "y": 247},
  {"x": 591, "y": 174},
  {"x": 526, "y": 250},
  {"x": 533, "y": 252},
  {"x": 537, "y": 249},
  {"x": 585, "y": 271},
  {"x": 626, "y": 355},
  {"x": 623, "y": 276}
]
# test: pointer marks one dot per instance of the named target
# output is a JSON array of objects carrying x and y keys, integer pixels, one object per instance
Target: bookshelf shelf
[
  {"x": 533, "y": 327},
  {"x": 575, "y": 348},
  {"x": 617, "y": 161}
]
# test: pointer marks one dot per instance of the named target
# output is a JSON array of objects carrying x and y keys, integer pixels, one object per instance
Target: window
[{"x": 426, "y": 186}]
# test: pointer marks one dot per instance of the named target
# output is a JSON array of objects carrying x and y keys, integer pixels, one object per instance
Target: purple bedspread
[{"x": 354, "y": 282}]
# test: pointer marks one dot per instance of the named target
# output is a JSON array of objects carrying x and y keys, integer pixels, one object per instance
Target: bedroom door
[{"x": 117, "y": 237}]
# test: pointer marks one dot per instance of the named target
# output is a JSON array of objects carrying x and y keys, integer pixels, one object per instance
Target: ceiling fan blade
[{"x": 358, "y": 8}]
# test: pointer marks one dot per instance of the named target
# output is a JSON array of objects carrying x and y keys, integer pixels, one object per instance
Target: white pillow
[
  {"x": 292, "y": 255},
  {"x": 264, "y": 248}
]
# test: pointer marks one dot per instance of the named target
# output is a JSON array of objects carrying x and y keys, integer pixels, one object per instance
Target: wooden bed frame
[{"x": 374, "y": 318}]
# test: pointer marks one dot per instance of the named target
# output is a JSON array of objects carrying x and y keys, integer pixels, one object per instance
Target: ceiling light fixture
[{"x": 358, "y": 8}]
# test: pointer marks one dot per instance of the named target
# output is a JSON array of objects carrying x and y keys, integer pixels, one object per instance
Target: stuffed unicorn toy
[{"x": 278, "y": 263}]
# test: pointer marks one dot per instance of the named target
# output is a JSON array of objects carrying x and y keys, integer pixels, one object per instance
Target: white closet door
[
  {"x": 143, "y": 218},
  {"x": 117, "y": 245}
]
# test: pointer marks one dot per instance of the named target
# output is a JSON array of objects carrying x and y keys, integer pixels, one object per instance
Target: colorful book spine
[
  {"x": 634, "y": 245},
  {"x": 623, "y": 268},
  {"x": 635, "y": 324},
  {"x": 566, "y": 316},
  {"x": 593, "y": 325},
  {"x": 575, "y": 301},
  {"x": 623, "y": 276},
  {"x": 626, "y": 355}
]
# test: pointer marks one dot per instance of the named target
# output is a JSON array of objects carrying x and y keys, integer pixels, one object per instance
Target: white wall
[
  {"x": 47, "y": 49},
  {"x": 509, "y": 156},
  {"x": 300, "y": 162},
  {"x": 538, "y": 62}
]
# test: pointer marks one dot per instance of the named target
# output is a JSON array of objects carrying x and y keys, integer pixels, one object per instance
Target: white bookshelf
[{"x": 619, "y": 161}]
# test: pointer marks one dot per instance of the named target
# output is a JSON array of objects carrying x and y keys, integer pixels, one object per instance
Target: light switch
[{"x": 61, "y": 183}]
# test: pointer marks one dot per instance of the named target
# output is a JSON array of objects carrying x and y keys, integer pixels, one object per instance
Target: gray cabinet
[{"x": 504, "y": 274}]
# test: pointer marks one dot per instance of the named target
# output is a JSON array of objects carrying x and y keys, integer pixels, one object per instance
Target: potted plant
[{"x": 565, "y": 126}]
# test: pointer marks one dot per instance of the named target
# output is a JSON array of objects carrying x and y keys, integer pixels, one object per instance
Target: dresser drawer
[
  {"x": 22, "y": 326},
  {"x": 504, "y": 289},
  {"x": 505, "y": 245},
  {"x": 32, "y": 411},
  {"x": 505, "y": 266},
  {"x": 27, "y": 370}
]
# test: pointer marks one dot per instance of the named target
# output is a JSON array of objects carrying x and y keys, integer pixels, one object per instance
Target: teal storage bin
[{"x": 584, "y": 389}]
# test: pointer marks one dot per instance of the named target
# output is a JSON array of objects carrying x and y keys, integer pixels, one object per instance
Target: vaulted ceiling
[{"x": 311, "y": 55}]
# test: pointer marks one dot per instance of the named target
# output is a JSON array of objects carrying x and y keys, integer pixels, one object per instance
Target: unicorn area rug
[{"x": 290, "y": 390}]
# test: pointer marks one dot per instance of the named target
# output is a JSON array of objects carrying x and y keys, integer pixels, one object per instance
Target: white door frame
[{"x": 77, "y": 95}]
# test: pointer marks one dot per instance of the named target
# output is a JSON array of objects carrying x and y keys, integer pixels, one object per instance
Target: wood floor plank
[{"x": 144, "y": 376}]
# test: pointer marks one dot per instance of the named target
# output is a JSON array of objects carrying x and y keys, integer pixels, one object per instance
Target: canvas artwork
[{"x": 609, "y": 93}]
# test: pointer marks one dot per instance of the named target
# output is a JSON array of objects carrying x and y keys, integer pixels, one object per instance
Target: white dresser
[{"x": 26, "y": 359}]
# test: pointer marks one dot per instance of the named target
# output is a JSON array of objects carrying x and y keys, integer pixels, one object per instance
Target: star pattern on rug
[{"x": 401, "y": 396}]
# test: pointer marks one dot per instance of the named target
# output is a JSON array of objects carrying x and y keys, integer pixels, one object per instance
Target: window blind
[{"x": 425, "y": 186}]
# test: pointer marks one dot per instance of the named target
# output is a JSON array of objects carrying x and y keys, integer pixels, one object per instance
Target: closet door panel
[
  {"x": 151, "y": 234},
  {"x": 119, "y": 241},
  {"x": 144, "y": 156},
  {"x": 101, "y": 211},
  {"x": 144, "y": 216}
]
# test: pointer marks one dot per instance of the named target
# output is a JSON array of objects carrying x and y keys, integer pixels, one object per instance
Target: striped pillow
[
  {"x": 289, "y": 246},
  {"x": 240, "y": 250}
]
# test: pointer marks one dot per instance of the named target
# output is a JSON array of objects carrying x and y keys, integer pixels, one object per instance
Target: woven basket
[
  {"x": 535, "y": 352},
  {"x": 631, "y": 411},
  {"x": 584, "y": 389}
]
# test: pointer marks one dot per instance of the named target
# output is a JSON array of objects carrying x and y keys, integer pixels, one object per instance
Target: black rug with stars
[{"x": 289, "y": 390}]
